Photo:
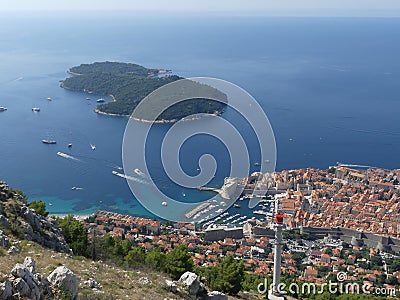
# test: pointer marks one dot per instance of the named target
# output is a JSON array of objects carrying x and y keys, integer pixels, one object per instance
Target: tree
[
  {"x": 136, "y": 257},
  {"x": 376, "y": 261},
  {"x": 75, "y": 234},
  {"x": 227, "y": 276},
  {"x": 178, "y": 261},
  {"x": 40, "y": 207},
  {"x": 155, "y": 260},
  {"x": 126, "y": 247},
  {"x": 117, "y": 249}
]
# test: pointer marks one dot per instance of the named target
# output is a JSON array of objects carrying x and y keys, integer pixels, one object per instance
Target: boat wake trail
[
  {"x": 132, "y": 178},
  {"x": 67, "y": 156}
]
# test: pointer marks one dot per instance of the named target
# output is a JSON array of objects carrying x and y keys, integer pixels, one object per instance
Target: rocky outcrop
[
  {"x": 190, "y": 281},
  {"x": 24, "y": 282},
  {"x": 25, "y": 223},
  {"x": 63, "y": 278}
]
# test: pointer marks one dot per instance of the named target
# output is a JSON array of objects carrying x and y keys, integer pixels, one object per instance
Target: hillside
[
  {"x": 97, "y": 280},
  {"x": 130, "y": 83},
  {"x": 36, "y": 262}
]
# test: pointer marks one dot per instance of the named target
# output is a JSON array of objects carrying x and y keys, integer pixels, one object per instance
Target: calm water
[{"x": 330, "y": 87}]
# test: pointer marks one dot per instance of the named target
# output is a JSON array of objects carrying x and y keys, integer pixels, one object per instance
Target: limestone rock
[
  {"x": 4, "y": 242},
  {"x": 172, "y": 286},
  {"x": 4, "y": 221},
  {"x": 44, "y": 286},
  {"x": 62, "y": 277},
  {"x": 30, "y": 264},
  {"x": 13, "y": 250},
  {"x": 31, "y": 217},
  {"x": 20, "y": 286},
  {"x": 191, "y": 282},
  {"x": 5, "y": 290},
  {"x": 215, "y": 295},
  {"x": 93, "y": 284}
]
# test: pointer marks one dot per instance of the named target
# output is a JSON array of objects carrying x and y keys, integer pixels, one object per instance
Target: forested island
[{"x": 129, "y": 83}]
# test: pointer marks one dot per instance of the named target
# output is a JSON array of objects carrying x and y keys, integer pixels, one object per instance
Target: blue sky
[{"x": 238, "y": 7}]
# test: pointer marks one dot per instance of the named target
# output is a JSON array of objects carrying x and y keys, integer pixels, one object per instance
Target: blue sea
[{"x": 329, "y": 86}]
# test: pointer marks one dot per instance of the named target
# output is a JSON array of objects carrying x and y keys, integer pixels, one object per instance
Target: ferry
[
  {"x": 49, "y": 142},
  {"x": 101, "y": 100},
  {"x": 35, "y": 109},
  {"x": 2, "y": 108}
]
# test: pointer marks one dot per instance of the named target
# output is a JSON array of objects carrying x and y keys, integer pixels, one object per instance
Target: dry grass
[{"x": 116, "y": 283}]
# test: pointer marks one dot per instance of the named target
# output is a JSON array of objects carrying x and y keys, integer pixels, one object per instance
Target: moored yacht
[{"x": 49, "y": 142}]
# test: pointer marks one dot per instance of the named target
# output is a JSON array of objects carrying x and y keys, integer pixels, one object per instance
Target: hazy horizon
[{"x": 304, "y": 8}]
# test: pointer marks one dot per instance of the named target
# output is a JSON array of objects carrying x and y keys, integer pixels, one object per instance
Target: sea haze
[{"x": 330, "y": 88}]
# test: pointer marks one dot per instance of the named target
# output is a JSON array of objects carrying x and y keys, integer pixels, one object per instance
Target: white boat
[
  {"x": 49, "y": 99},
  {"x": 35, "y": 109},
  {"x": 138, "y": 172},
  {"x": 164, "y": 203},
  {"x": 101, "y": 100},
  {"x": 74, "y": 188},
  {"x": 49, "y": 142},
  {"x": 93, "y": 147},
  {"x": 2, "y": 108}
]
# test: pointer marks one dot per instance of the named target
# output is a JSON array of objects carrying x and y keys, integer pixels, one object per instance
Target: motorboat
[{"x": 49, "y": 142}]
